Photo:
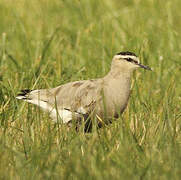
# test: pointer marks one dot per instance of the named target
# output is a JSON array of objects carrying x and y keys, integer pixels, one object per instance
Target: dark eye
[
  {"x": 132, "y": 60},
  {"x": 129, "y": 59}
]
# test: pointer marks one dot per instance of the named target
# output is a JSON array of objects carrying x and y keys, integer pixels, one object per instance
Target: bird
[{"x": 103, "y": 98}]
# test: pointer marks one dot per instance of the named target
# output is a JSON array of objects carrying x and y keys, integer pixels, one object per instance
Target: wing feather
[{"x": 79, "y": 96}]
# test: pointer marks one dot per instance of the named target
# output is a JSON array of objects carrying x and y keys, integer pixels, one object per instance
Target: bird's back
[{"x": 78, "y": 96}]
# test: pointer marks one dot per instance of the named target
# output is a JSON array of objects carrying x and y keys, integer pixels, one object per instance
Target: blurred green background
[{"x": 47, "y": 43}]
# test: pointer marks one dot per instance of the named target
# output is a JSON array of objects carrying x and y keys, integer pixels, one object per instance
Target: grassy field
[{"x": 47, "y": 43}]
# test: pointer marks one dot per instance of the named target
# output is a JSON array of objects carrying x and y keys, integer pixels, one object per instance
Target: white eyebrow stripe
[{"x": 128, "y": 56}]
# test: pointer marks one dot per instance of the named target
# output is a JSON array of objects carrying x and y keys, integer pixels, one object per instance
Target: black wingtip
[{"x": 24, "y": 92}]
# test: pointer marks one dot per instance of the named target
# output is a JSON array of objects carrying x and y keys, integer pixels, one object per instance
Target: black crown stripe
[{"x": 126, "y": 53}]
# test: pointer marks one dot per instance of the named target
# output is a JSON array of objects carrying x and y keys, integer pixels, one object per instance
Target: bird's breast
[{"x": 116, "y": 97}]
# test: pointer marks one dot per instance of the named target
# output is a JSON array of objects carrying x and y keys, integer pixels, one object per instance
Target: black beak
[{"x": 144, "y": 67}]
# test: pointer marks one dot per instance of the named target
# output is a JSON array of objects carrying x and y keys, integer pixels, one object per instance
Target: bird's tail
[
  {"x": 24, "y": 94},
  {"x": 39, "y": 97}
]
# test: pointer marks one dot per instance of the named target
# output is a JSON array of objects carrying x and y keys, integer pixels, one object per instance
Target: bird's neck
[
  {"x": 117, "y": 87},
  {"x": 119, "y": 73}
]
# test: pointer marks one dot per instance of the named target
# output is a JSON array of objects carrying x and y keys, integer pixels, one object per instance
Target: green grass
[{"x": 47, "y": 43}]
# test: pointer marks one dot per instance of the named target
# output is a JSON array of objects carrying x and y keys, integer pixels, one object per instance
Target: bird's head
[{"x": 128, "y": 61}]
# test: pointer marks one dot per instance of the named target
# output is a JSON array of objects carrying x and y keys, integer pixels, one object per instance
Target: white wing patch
[
  {"x": 81, "y": 110},
  {"x": 64, "y": 114},
  {"x": 40, "y": 103}
]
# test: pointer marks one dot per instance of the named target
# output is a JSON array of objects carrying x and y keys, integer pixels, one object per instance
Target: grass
[{"x": 47, "y": 43}]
